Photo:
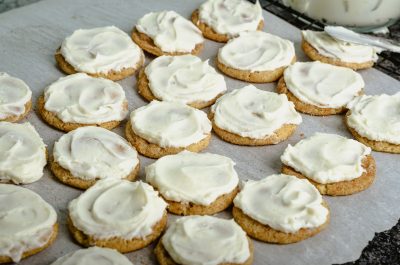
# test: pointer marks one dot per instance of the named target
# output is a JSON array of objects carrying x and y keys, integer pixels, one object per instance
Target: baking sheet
[{"x": 29, "y": 37}]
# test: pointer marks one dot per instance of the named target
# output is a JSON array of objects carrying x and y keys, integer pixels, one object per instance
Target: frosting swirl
[
  {"x": 282, "y": 202},
  {"x": 14, "y": 94},
  {"x": 206, "y": 240},
  {"x": 84, "y": 99},
  {"x": 257, "y": 51},
  {"x": 184, "y": 79}
]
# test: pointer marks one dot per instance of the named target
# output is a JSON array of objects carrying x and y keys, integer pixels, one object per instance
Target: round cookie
[
  {"x": 19, "y": 240},
  {"x": 319, "y": 46},
  {"x": 221, "y": 20},
  {"x": 212, "y": 241},
  {"x": 250, "y": 116},
  {"x": 186, "y": 79},
  {"x": 334, "y": 164},
  {"x": 193, "y": 183},
  {"x": 117, "y": 214},
  {"x": 87, "y": 154},
  {"x": 164, "y": 128},
  {"x": 280, "y": 209},
  {"x": 105, "y": 52},
  {"x": 16, "y": 98},
  {"x": 256, "y": 56},
  {"x": 81, "y": 100},
  {"x": 167, "y": 33}
]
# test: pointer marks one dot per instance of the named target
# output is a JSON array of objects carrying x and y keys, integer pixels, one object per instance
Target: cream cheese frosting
[
  {"x": 170, "y": 31},
  {"x": 14, "y": 94},
  {"x": 283, "y": 202},
  {"x": 22, "y": 153},
  {"x": 100, "y": 50},
  {"x": 327, "y": 158},
  {"x": 231, "y": 16},
  {"x": 117, "y": 208},
  {"x": 80, "y": 98},
  {"x": 254, "y": 113},
  {"x": 185, "y": 79},
  {"x": 206, "y": 240},
  {"x": 189, "y": 177},
  {"x": 257, "y": 51},
  {"x": 376, "y": 117},
  {"x": 323, "y": 85},
  {"x": 337, "y": 49},
  {"x": 170, "y": 124},
  {"x": 93, "y": 255},
  {"x": 95, "y": 153},
  {"x": 26, "y": 221}
]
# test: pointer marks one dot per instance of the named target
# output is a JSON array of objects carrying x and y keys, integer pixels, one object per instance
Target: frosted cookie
[
  {"x": 100, "y": 52},
  {"x": 374, "y": 121},
  {"x": 167, "y": 33},
  {"x": 320, "y": 46},
  {"x": 204, "y": 240},
  {"x": 256, "y": 56},
  {"x": 28, "y": 224},
  {"x": 117, "y": 214},
  {"x": 165, "y": 128},
  {"x": 280, "y": 209},
  {"x": 15, "y": 98},
  {"x": 221, "y": 20},
  {"x": 320, "y": 89},
  {"x": 87, "y": 154},
  {"x": 334, "y": 164},
  {"x": 81, "y": 100},
  {"x": 194, "y": 183},
  {"x": 186, "y": 79},
  {"x": 22, "y": 153},
  {"x": 93, "y": 255},
  {"x": 250, "y": 116}
]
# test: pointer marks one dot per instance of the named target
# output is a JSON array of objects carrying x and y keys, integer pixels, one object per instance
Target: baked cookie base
[
  {"x": 112, "y": 75},
  {"x": 15, "y": 118},
  {"x": 164, "y": 258},
  {"x": 254, "y": 77},
  {"x": 6, "y": 259},
  {"x": 155, "y": 151},
  {"x": 379, "y": 146},
  {"x": 343, "y": 187},
  {"x": 66, "y": 177},
  {"x": 266, "y": 233},
  {"x": 209, "y": 32},
  {"x": 120, "y": 244},
  {"x": 147, "y": 44},
  {"x": 314, "y": 55},
  {"x": 54, "y": 121}
]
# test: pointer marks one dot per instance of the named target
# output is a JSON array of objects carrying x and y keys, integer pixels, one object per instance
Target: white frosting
[
  {"x": 231, "y": 16},
  {"x": 26, "y": 221},
  {"x": 283, "y": 202},
  {"x": 327, "y": 158},
  {"x": 93, "y": 256},
  {"x": 22, "y": 153},
  {"x": 206, "y": 240},
  {"x": 170, "y": 124},
  {"x": 323, "y": 85},
  {"x": 80, "y": 98},
  {"x": 185, "y": 79},
  {"x": 376, "y": 117},
  {"x": 117, "y": 208},
  {"x": 198, "y": 178},
  {"x": 257, "y": 51},
  {"x": 254, "y": 113},
  {"x": 100, "y": 50},
  {"x": 14, "y": 94},
  {"x": 95, "y": 153},
  {"x": 170, "y": 31},
  {"x": 337, "y": 49}
]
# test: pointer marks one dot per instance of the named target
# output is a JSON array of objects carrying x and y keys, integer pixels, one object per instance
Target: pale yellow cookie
[{"x": 14, "y": 118}]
